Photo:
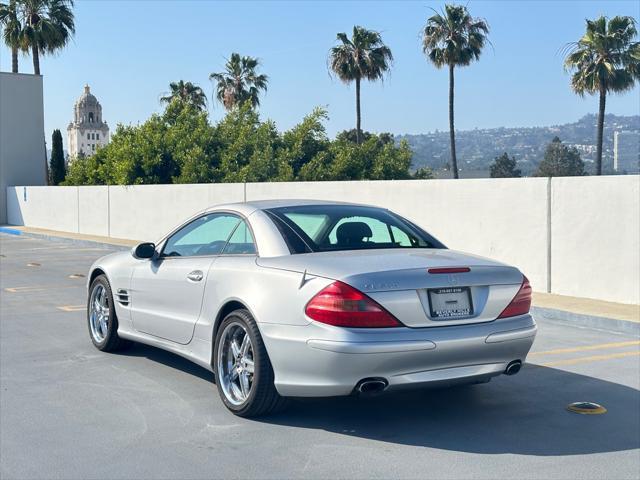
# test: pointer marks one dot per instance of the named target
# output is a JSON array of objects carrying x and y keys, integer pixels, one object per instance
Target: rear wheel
[
  {"x": 244, "y": 375},
  {"x": 101, "y": 317}
]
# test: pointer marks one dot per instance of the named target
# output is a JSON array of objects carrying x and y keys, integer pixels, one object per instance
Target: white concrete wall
[
  {"x": 595, "y": 237},
  {"x": 93, "y": 210},
  {"x": 504, "y": 219},
  {"x": 54, "y": 208},
  {"x": 571, "y": 236},
  {"x": 22, "y": 147},
  {"x": 147, "y": 212}
]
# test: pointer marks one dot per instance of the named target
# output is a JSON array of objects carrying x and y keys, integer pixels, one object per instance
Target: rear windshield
[{"x": 322, "y": 228}]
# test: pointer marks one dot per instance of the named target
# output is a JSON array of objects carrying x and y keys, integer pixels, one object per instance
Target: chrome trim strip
[
  {"x": 512, "y": 335},
  {"x": 371, "y": 347}
]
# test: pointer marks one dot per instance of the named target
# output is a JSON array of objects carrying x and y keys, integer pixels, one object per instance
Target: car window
[
  {"x": 241, "y": 241},
  {"x": 400, "y": 237},
  {"x": 310, "y": 224},
  {"x": 206, "y": 235},
  {"x": 379, "y": 230},
  {"x": 318, "y": 228}
]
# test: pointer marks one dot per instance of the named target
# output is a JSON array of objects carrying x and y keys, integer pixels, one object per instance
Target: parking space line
[
  {"x": 601, "y": 346},
  {"x": 594, "y": 358},
  {"x": 72, "y": 308},
  {"x": 37, "y": 288}
]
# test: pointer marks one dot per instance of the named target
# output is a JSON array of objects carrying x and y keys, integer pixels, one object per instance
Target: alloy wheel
[
  {"x": 99, "y": 313},
  {"x": 235, "y": 363}
]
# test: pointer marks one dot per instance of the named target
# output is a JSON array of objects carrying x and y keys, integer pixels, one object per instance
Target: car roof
[{"x": 253, "y": 205}]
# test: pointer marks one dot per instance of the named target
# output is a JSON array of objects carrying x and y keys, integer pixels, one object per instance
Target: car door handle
[{"x": 195, "y": 276}]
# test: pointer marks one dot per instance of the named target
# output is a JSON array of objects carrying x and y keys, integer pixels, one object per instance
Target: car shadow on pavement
[
  {"x": 169, "y": 359},
  {"x": 525, "y": 414}
]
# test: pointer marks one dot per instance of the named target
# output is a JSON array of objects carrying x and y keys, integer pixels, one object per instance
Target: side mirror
[{"x": 144, "y": 250}]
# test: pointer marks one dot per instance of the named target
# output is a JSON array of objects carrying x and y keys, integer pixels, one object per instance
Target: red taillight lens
[
  {"x": 343, "y": 306},
  {"x": 520, "y": 303},
  {"x": 449, "y": 270}
]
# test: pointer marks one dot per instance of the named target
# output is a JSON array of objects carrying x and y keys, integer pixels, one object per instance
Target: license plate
[{"x": 448, "y": 303}]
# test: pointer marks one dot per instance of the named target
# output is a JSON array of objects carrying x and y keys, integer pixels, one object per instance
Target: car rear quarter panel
[{"x": 273, "y": 296}]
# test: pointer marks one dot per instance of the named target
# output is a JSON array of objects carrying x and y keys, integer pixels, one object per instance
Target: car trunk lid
[{"x": 400, "y": 281}]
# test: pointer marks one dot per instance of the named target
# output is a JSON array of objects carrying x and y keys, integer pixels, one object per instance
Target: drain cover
[
  {"x": 33, "y": 264},
  {"x": 76, "y": 275},
  {"x": 586, "y": 408}
]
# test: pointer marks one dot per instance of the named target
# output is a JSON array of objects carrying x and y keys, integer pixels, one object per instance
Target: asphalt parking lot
[{"x": 70, "y": 411}]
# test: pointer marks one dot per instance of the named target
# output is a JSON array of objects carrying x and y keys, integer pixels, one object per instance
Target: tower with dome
[{"x": 88, "y": 130}]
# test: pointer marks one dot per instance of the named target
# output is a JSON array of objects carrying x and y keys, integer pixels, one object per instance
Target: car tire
[
  {"x": 99, "y": 319},
  {"x": 262, "y": 397}
]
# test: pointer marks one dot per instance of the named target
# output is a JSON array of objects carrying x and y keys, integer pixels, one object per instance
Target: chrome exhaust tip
[
  {"x": 371, "y": 386},
  {"x": 513, "y": 367}
]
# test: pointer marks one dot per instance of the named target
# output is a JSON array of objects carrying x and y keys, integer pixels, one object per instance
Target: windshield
[{"x": 321, "y": 228}]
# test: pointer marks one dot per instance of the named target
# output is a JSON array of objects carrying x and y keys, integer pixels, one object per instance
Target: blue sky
[{"x": 129, "y": 51}]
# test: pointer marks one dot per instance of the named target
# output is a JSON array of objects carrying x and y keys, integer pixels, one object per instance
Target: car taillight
[
  {"x": 520, "y": 303},
  {"x": 449, "y": 270},
  {"x": 343, "y": 306}
]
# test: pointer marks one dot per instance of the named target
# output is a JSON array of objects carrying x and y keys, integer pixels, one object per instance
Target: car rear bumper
[{"x": 321, "y": 360}]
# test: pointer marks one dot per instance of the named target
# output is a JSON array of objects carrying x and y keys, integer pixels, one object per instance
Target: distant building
[
  {"x": 87, "y": 131},
  {"x": 22, "y": 146},
  {"x": 626, "y": 152}
]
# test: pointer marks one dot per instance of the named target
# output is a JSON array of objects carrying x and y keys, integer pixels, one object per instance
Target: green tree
[
  {"x": 193, "y": 145},
  {"x": 362, "y": 57},
  {"x": 606, "y": 59},
  {"x": 504, "y": 167},
  {"x": 352, "y": 136},
  {"x": 374, "y": 159},
  {"x": 12, "y": 32},
  {"x": 305, "y": 141},
  {"x": 560, "y": 161},
  {"x": 391, "y": 162},
  {"x": 177, "y": 147},
  {"x": 452, "y": 39},
  {"x": 83, "y": 170},
  {"x": 57, "y": 169},
  {"x": 48, "y": 27},
  {"x": 187, "y": 93},
  {"x": 181, "y": 146},
  {"x": 248, "y": 148},
  {"x": 240, "y": 82},
  {"x": 423, "y": 173}
]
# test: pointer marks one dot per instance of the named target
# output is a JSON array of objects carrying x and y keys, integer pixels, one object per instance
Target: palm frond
[
  {"x": 240, "y": 82},
  {"x": 48, "y": 24},
  {"x": 454, "y": 37},
  {"x": 605, "y": 58},
  {"x": 364, "y": 55}
]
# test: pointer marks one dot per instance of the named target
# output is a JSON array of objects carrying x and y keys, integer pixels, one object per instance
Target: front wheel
[
  {"x": 244, "y": 375},
  {"x": 101, "y": 317}
]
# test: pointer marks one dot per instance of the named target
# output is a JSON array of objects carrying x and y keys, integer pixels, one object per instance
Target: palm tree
[
  {"x": 187, "y": 93},
  {"x": 240, "y": 82},
  {"x": 48, "y": 26},
  {"x": 364, "y": 56},
  {"x": 606, "y": 59},
  {"x": 453, "y": 38},
  {"x": 11, "y": 30}
]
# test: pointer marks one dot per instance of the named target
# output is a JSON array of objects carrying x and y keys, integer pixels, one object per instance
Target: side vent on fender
[{"x": 123, "y": 296}]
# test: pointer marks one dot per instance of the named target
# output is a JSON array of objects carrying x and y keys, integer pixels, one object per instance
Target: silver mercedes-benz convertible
[{"x": 296, "y": 298}]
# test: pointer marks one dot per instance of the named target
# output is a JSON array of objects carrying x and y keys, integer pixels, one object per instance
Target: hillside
[{"x": 477, "y": 148}]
